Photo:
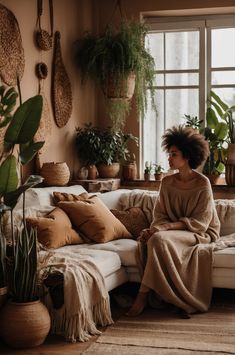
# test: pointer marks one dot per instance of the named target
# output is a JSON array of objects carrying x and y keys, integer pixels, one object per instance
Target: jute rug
[{"x": 158, "y": 332}]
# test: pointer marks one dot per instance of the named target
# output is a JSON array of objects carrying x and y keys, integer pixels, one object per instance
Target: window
[{"x": 192, "y": 56}]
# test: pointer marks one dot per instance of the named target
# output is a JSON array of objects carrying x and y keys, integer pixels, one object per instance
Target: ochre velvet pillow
[
  {"x": 63, "y": 196},
  {"x": 94, "y": 220},
  {"x": 134, "y": 219},
  {"x": 55, "y": 230}
]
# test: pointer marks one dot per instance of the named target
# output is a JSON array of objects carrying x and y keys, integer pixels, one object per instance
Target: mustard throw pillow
[
  {"x": 63, "y": 196},
  {"x": 55, "y": 230},
  {"x": 94, "y": 220},
  {"x": 134, "y": 219}
]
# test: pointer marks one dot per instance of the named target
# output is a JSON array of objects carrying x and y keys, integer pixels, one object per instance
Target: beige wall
[{"x": 71, "y": 18}]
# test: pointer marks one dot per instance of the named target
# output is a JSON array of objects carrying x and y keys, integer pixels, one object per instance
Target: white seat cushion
[
  {"x": 107, "y": 261},
  {"x": 224, "y": 258},
  {"x": 125, "y": 248}
]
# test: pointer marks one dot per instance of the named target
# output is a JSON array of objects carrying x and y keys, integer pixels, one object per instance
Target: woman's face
[{"x": 176, "y": 159}]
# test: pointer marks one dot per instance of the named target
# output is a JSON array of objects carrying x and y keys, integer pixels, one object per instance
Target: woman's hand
[{"x": 147, "y": 233}]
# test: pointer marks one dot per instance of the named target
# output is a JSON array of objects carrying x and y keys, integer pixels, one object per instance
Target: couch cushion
[
  {"x": 107, "y": 261},
  {"x": 224, "y": 258},
  {"x": 55, "y": 229},
  {"x": 94, "y": 220},
  {"x": 125, "y": 248},
  {"x": 226, "y": 213},
  {"x": 64, "y": 196},
  {"x": 112, "y": 198},
  {"x": 43, "y": 196}
]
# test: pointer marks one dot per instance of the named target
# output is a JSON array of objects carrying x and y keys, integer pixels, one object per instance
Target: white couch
[{"x": 116, "y": 259}]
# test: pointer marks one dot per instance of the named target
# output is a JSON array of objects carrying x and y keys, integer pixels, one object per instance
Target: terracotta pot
[
  {"x": 24, "y": 325},
  {"x": 129, "y": 172},
  {"x": 92, "y": 172},
  {"x": 158, "y": 176},
  {"x": 3, "y": 296},
  {"x": 213, "y": 178},
  {"x": 230, "y": 174},
  {"x": 147, "y": 176},
  {"x": 116, "y": 89},
  {"x": 108, "y": 171}
]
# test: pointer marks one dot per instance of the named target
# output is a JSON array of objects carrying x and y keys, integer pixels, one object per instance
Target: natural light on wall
[{"x": 191, "y": 58}]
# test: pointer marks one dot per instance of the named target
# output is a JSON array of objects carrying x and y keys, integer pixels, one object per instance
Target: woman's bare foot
[{"x": 138, "y": 305}]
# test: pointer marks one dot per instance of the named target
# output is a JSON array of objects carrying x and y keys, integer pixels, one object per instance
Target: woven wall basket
[
  {"x": 11, "y": 52},
  {"x": 55, "y": 174},
  {"x": 61, "y": 87}
]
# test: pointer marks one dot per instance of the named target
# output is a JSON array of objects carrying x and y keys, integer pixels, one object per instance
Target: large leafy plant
[
  {"x": 218, "y": 132},
  {"x": 19, "y": 149}
]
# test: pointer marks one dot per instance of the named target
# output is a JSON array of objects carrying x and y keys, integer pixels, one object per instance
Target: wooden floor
[{"x": 55, "y": 345}]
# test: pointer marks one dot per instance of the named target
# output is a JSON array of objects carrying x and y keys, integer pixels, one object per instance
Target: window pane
[
  {"x": 222, "y": 47},
  {"x": 182, "y": 79},
  {"x": 180, "y": 102},
  {"x": 159, "y": 80},
  {"x": 182, "y": 50},
  {"x": 153, "y": 127},
  {"x": 223, "y": 77},
  {"x": 227, "y": 95},
  {"x": 155, "y": 42}
]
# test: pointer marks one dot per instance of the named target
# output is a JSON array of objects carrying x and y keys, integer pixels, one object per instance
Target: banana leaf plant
[
  {"x": 19, "y": 149},
  {"x": 216, "y": 133}
]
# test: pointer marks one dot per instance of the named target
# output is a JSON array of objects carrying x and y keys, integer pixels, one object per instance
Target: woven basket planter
[{"x": 55, "y": 174}]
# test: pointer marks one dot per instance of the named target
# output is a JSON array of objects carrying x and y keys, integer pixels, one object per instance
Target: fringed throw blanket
[{"x": 86, "y": 300}]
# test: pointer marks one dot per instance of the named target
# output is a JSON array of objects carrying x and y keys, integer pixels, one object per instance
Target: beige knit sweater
[{"x": 179, "y": 262}]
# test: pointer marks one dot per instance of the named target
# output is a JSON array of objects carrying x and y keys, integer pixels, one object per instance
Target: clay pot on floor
[{"x": 24, "y": 325}]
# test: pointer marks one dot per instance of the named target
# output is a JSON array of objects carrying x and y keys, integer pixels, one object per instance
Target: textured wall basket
[{"x": 55, "y": 174}]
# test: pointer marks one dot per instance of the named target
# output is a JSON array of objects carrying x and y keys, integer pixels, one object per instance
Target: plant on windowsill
[
  {"x": 148, "y": 170},
  {"x": 105, "y": 148},
  {"x": 158, "y": 172},
  {"x": 119, "y": 62},
  {"x": 193, "y": 121},
  {"x": 219, "y": 110},
  {"x": 21, "y": 273}
]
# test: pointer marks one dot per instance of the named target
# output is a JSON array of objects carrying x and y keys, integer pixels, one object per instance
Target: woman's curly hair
[{"x": 193, "y": 146}]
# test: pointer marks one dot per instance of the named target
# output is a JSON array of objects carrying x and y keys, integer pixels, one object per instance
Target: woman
[{"x": 179, "y": 256}]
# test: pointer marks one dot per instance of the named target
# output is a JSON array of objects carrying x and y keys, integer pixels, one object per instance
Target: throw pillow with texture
[
  {"x": 134, "y": 219},
  {"x": 94, "y": 220},
  {"x": 54, "y": 230},
  {"x": 63, "y": 196}
]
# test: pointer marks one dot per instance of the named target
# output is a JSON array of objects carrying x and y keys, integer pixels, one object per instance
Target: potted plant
[
  {"x": 158, "y": 172},
  {"x": 148, "y": 170},
  {"x": 121, "y": 64},
  {"x": 129, "y": 169},
  {"x": 219, "y": 110},
  {"x": 193, "y": 121},
  {"x": 103, "y": 147},
  {"x": 20, "y": 325}
]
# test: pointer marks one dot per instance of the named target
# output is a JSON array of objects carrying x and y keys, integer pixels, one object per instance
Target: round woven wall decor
[
  {"x": 61, "y": 87},
  {"x": 11, "y": 53}
]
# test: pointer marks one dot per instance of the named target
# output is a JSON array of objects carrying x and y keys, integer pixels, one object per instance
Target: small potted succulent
[
  {"x": 148, "y": 170},
  {"x": 158, "y": 172}
]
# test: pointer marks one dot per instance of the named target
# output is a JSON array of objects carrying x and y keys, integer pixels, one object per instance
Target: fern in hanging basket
[{"x": 114, "y": 55}]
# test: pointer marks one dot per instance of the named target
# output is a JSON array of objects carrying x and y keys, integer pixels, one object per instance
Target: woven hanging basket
[
  {"x": 61, "y": 87},
  {"x": 45, "y": 126},
  {"x": 11, "y": 52},
  {"x": 55, "y": 174}
]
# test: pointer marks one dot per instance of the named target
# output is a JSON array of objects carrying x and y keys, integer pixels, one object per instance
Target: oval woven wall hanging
[
  {"x": 61, "y": 87},
  {"x": 11, "y": 53}
]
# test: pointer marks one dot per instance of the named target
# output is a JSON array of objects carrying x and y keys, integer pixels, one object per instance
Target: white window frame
[{"x": 204, "y": 24}]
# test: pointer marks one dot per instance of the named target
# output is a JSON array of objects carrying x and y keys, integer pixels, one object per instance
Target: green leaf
[
  {"x": 221, "y": 130},
  {"x": 8, "y": 175},
  {"x": 11, "y": 198},
  {"x": 25, "y": 121},
  {"x": 220, "y": 167},
  {"x": 221, "y": 103},
  {"x": 27, "y": 153},
  {"x": 211, "y": 118}
]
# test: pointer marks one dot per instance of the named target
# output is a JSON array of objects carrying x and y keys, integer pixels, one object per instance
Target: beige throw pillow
[
  {"x": 55, "y": 230},
  {"x": 94, "y": 220},
  {"x": 63, "y": 196}
]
